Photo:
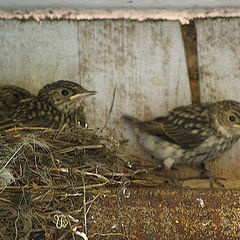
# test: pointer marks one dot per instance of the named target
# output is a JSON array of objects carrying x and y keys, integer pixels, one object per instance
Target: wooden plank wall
[{"x": 145, "y": 60}]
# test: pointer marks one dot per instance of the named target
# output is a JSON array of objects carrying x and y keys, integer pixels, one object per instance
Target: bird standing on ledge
[
  {"x": 54, "y": 107},
  {"x": 190, "y": 134},
  {"x": 10, "y": 99}
]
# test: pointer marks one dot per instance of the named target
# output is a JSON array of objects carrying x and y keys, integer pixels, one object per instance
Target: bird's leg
[
  {"x": 205, "y": 174},
  {"x": 168, "y": 163},
  {"x": 208, "y": 174}
]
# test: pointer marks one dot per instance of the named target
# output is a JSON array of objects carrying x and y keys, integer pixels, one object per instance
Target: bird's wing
[
  {"x": 29, "y": 115},
  {"x": 184, "y": 126},
  {"x": 35, "y": 117}
]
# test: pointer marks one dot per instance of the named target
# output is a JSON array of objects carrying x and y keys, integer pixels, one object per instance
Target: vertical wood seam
[{"x": 189, "y": 35}]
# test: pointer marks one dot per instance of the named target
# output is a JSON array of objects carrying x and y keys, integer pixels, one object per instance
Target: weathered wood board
[
  {"x": 219, "y": 64},
  {"x": 145, "y": 60},
  {"x": 33, "y": 54}
]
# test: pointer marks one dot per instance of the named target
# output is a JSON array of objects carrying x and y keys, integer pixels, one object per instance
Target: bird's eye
[
  {"x": 232, "y": 118},
  {"x": 64, "y": 92},
  {"x": 16, "y": 95}
]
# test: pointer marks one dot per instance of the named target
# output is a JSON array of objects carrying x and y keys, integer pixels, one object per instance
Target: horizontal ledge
[{"x": 182, "y": 15}]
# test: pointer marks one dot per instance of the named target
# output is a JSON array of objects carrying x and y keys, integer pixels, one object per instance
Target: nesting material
[{"x": 55, "y": 176}]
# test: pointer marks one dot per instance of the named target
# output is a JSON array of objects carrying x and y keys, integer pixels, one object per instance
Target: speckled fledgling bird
[
  {"x": 10, "y": 99},
  {"x": 190, "y": 134},
  {"x": 55, "y": 106}
]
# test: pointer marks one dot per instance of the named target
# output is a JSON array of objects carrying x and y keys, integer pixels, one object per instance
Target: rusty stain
[{"x": 154, "y": 213}]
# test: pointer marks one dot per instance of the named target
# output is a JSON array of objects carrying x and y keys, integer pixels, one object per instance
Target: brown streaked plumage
[
  {"x": 11, "y": 98},
  {"x": 190, "y": 134},
  {"x": 56, "y": 104}
]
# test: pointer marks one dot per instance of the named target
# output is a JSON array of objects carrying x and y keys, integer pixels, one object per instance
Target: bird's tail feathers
[{"x": 130, "y": 120}]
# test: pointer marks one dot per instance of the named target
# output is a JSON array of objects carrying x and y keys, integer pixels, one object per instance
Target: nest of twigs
[{"x": 50, "y": 179}]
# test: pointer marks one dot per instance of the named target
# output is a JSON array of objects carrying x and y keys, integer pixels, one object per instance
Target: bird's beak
[
  {"x": 26, "y": 100},
  {"x": 83, "y": 95}
]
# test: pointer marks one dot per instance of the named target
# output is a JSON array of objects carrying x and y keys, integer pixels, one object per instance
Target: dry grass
[{"x": 58, "y": 175}]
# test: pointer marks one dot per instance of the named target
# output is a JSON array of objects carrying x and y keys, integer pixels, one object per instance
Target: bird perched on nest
[
  {"x": 11, "y": 97},
  {"x": 190, "y": 134},
  {"x": 55, "y": 106}
]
